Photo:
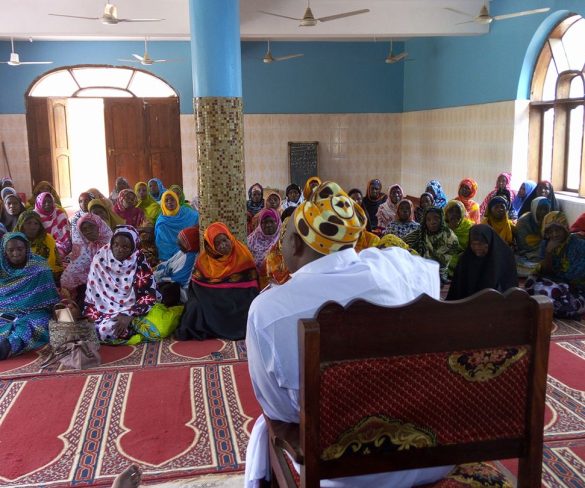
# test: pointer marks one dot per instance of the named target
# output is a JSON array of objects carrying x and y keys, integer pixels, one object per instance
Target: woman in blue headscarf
[
  {"x": 174, "y": 219},
  {"x": 27, "y": 297},
  {"x": 524, "y": 193},
  {"x": 156, "y": 188},
  {"x": 434, "y": 188}
]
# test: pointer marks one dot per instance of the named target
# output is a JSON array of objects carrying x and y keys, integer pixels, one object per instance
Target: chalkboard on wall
[{"x": 303, "y": 161}]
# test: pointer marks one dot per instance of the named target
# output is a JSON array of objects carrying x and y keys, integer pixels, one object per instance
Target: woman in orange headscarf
[{"x": 223, "y": 285}]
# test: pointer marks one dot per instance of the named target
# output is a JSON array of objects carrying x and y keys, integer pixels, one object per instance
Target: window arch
[{"x": 557, "y": 108}]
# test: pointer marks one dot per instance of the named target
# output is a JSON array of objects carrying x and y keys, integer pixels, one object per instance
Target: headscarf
[
  {"x": 437, "y": 192},
  {"x": 504, "y": 227},
  {"x": 528, "y": 229},
  {"x": 462, "y": 230},
  {"x": 56, "y": 223},
  {"x": 387, "y": 211},
  {"x": 286, "y": 202},
  {"x": 471, "y": 207},
  {"x": 554, "y": 205},
  {"x": 329, "y": 221},
  {"x": 507, "y": 192},
  {"x": 170, "y": 223},
  {"x": 279, "y": 200},
  {"x": 579, "y": 224},
  {"x": 390, "y": 240},
  {"x": 419, "y": 211},
  {"x": 28, "y": 289},
  {"x": 43, "y": 244},
  {"x": 113, "y": 218},
  {"x": 215, "y": 267},
  {"x": 6, "y": 179},
  {"x": 307, "y": 190},
  {"x": 76, "y": 216},
  {"x": 37, "y": 190},
  {"x": 95, "y": 194},
  {"x": 258, "y": 242},
  {"x": 179, "y": 192},
  {"x": 276, "y": 269},
  {"x": 190, "y": 239},
  {"x": 495, "y": 270},
  {"x": 7, "y": 219},
  {"x": 371, "y": 205},
  {"x": 7, "y": 191},
  {"x": 115, "y": 193},
  {"x": 132, "y": 216},
  {"x": 255, "y": 207},
  {"x": 83, "y": 252},
  {"x": 529, "y": 187},
  {"x": 555, "y": 218},
  {"x": 366, "y": 240},
  {"x": 399, "y": 228},
  {"x": 161, "y": 189},
  {"x": 148, "y": 204}
]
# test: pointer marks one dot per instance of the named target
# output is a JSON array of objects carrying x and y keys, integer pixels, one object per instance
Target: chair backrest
[{"x": 428, "y": 383}]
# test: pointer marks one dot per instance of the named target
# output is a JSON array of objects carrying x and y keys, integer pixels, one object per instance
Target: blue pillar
[{"x": 217, "y": 102}]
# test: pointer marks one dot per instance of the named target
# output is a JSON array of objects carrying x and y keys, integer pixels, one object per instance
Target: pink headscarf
[
  {"x": 260, "y": 243},
  {"x": 133, "y": 216}
]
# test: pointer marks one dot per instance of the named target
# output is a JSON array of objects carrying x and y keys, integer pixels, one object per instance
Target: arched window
[{"x": 557, "y": 108}]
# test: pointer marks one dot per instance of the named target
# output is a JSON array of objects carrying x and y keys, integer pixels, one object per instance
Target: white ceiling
[{"x": 386, "y": 19}]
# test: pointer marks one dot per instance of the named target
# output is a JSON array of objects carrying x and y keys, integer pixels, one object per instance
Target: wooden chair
[{"x": 426, "y": 384}]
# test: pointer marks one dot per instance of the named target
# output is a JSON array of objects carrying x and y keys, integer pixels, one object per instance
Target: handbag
[
  {"x": 75, "y": 354},
  {"x": 69, "y": 325}
]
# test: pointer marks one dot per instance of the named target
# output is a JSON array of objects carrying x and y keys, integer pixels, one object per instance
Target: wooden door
[
  {"x": 39, "y": 140},
  {"x": 125, "y": 140},
  {"x": 61, "y": 157},
  {"x": 163, "y": 135}
]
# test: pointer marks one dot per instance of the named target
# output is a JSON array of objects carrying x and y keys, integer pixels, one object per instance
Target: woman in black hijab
[
  {"x": 543, "y": 189},
  {"x": 488, "y": 262}
]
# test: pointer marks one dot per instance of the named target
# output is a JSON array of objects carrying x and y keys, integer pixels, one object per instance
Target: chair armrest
[{"x": 286, "y": 436}]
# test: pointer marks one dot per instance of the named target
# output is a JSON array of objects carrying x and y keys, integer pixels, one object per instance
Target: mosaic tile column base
[{"x": 219, "y": 127}]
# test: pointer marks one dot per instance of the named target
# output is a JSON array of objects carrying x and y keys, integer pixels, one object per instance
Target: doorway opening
[{"x": 89, "y": 124}]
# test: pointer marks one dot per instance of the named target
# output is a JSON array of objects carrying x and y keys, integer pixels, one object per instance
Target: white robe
[{"x": 385, "y": 277}]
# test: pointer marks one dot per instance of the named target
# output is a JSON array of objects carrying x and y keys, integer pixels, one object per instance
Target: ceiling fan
[
  {"x": 269, "y": 58},
  {"x": 309, "y": 20},
  {"x": 15, "y": 58},
  {"x": 109, "y": 16},
  {"x": 395, "y": 58},
  {"x": 145, "y": 59},
  {"x": 485, "y": 18}
]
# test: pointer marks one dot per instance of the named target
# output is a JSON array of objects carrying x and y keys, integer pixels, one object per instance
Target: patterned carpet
[{"x": 176, "y": 409}]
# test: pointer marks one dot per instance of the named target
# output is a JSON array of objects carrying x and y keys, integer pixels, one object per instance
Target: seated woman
[
  {"x": 524, "y": 192},
  {"x": 502, "y": 189},
  {"x": 41, "y": 242},
  {"x": 458, "y": 222},
  {"x": 93, "y": 234},
  {"x": 487, "y": 262},
  {"x": 436, "y": 190},
  {"x": 120, "y": 287},
  {"x": 467, "y": 190},
  {"x": 223, "y": 285},
  {"x": 27, "y": 297},
  {"x": 102, "y": 209},
  {"x": 13, "y": 207},
  {"x": 372, "y": 201},
  {"x": 84, "y": 199},
  {"x": 403, "y": 223},
  {"x": 387, "y": 211},
  {"x": 434, "y": 240},
  {"x": 41, "y": 187},
  {"x": 179, "y": 192},
  {"x": 293, "y": 197},
  {"x": 561, "y": 273},
  {"x": 121, "y": 184},
  {"x": 7, "y": 191},
  {"x": 426, "y": 200},
  {"x": 276, "y": 271},
  {"x": 274, "y": 201},
  {"x": 156, "y": 189},
  {"x": 148, "y": 204},
  {"x": 254, "y": 205},
  {"x": 496, "y": 217},
  {"x": 311, "y": 183},
  {"x": 529, "y": 236},
  {"x": 126, "y": 209},
  {"x": 543, "y": 189},
  {"x": 179, "y": 267},
  {"x": 263, "y": 238},
  {"x": 173, "y": 220},
  {"x": 55, "y": 221}
]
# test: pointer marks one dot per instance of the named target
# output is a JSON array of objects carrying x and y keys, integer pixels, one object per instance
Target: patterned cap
[{"x": 329, "y": 221}]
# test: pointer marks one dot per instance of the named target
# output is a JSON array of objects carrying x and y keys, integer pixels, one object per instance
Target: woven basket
[{"x": 60, "y": 332}]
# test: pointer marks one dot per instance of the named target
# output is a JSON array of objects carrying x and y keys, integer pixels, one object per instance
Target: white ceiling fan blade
[
  {"x": 75, "y": 17},
  {"x": 140, "y": 20},
  {"x": 279, "y": 15},
  {"x": 401, "y": 56},
  {"x": 290, "y": 56},
  {"x": 466, "y": 22},
  {"x": 343, "y": 15},
  {"x": 521, "y": 14},
  {"x": 129, "y": 60},
  {"x": 459, "y": 12},
  {"x": 36, "y": 62},
  {"x": 138, "y": 57}
]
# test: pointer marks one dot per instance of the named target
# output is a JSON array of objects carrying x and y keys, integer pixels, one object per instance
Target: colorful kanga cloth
[
  {"x": 43, "y": 244},
  {"x": 56, "y": 223},
  {"x": 179, "y": 267},
  {"x": 436, "y": 190},
  {"x": 507, "y": 192},
  {"x": 29, "y": 293},
  {"x": 471, "y": 207},
  {"x": 76, "y": 273},
  {"x": 390, "y": 240},
  {"x": 119, "y": 287},
  {"x": 132, "y": 216},
  {"x": 148, "y": 204},
  {"x": 276, "y": 270},
  {"x": 258, "y": 242},
  {"x": 462, "y": 232},
  {"x": 400, "y": 228}
]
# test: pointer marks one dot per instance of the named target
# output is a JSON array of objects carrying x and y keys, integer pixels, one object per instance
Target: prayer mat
[
  {"x": 568, "y": 329},
  {"x": 151, "y": 354},
  {"x": 84, "y": 428}
]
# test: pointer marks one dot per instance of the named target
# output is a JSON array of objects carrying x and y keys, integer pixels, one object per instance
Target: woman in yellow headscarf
[
  {"x": 103, "y": 209},
  {"x": 148, "y": 204},
  {"x": 312, "y": 182},
  {"x": 496, "y": 216},
  {"x": 222, "y": 288}
]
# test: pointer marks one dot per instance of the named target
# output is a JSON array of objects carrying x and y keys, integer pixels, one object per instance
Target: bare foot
[{"x": 129, "y": 478}]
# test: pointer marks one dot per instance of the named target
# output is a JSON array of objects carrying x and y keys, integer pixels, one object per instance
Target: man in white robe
[{"x": 324, "y": 267}]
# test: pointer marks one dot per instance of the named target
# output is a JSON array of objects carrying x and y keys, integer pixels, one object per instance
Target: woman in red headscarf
[{"x": 223, "y": 285}]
